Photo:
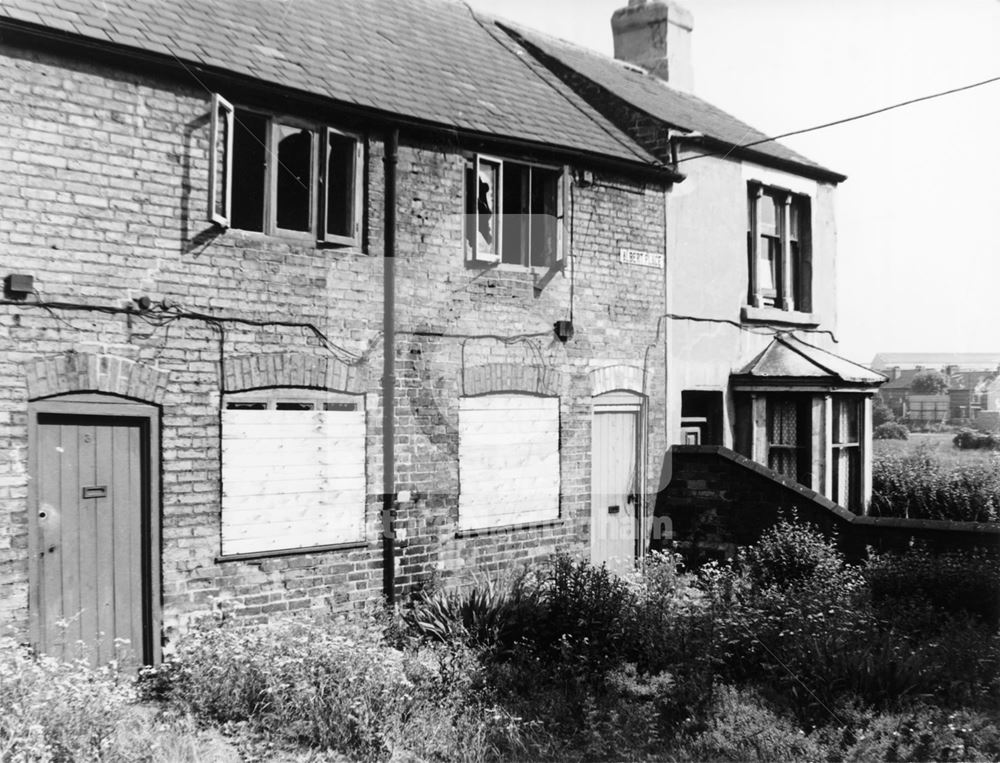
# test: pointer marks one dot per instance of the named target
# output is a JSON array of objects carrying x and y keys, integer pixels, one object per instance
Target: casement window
[
  {"x": 514, "y": 212},
  {"x": 788, "y": 436},
  {"x": 778, "y": 236},
  {"x": 508, "y": 460},
  {"x": 283, "y": 176},
  {"x": 848, "y": 411},
  {"x": 293, "y": 470}
]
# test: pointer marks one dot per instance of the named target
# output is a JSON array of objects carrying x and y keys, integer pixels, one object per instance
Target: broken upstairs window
[{"x": 513, "y": 212}]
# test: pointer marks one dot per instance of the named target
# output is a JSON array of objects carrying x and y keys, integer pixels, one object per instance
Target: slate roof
[
  {"x": 429, "y": 60},
  {"x": 788, "y": 357},
  {"x": 655, "y": 97}
]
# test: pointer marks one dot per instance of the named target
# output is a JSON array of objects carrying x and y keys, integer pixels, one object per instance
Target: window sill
[
  {"x": 776, "y": 315},
  {"x": 504, "y": 529},
  {"x": 293, "y": 238},
  {"x": 255, "y": 555},
  {"x": 507, "y": 267}
]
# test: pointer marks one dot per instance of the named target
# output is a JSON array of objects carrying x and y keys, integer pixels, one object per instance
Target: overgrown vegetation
[
  {"x": 785, "y": 653},
  {"x": 920, "y": 484},
  {"x": 67, "y": 711}
]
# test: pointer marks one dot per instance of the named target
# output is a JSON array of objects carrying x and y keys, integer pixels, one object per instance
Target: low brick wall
[{"x": 716, "y": 500}]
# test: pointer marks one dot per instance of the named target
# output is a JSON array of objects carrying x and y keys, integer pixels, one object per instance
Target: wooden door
[
  {"x": 91, "y": 477},
  {"x": 614, "y": 505}
]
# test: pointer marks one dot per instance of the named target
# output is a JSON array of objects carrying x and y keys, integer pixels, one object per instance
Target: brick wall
[
  {"x": 717, "y": 500},
  {"x": 106, "y": 202}
]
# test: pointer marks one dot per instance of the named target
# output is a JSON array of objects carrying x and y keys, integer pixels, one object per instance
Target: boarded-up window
[
  {"x": 293, "y": 472},
  {"x": 508, "y": 460}
]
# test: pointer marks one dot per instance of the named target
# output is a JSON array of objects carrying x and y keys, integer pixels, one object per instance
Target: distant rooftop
[{"x": 963, "y": 361}]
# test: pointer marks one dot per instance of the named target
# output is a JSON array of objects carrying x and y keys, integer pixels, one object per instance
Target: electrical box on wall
[
  {"x": 564, "y": 330},
  {"x": 18, "y": 286}
]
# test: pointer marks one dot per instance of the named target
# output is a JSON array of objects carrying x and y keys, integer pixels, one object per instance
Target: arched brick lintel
[
  {"x": 511, "y": 377},
  {"x": 291, "y": 369},
  {"x": 611, "y": 378},
  {"x": 95, "y": 372}
]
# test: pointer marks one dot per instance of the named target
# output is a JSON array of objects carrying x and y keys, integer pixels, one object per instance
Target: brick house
[{"x": 290, "y": 325}]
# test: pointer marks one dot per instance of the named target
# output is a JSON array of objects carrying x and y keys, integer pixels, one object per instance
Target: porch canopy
[{"x": 788, "y": 362}]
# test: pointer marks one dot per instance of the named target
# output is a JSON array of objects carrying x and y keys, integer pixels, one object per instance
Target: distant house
[
  {"x": 958, "y": 361},
  {"x": 968, "y": 375}
]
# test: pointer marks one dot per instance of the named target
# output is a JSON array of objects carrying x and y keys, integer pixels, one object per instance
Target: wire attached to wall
[{"x": 163, "y": 314}]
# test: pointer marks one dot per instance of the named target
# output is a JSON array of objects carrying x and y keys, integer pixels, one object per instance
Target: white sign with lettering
[{"x": 646, "y": 259}]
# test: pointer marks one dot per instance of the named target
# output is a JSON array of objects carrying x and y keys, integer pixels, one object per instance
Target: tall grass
[{"x": 924, "y": 483}]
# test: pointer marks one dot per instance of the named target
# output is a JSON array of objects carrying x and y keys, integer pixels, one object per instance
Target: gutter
[{"x": 767, "y": 160}]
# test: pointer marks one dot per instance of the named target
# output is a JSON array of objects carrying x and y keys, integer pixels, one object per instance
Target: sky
[{"x": 918, "y": 218}]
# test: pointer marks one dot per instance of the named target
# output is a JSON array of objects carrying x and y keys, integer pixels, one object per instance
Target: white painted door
[{"x": 614, "y": 502}]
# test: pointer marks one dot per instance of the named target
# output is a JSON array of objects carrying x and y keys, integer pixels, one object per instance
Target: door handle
[{"x": 633, "y": 498}]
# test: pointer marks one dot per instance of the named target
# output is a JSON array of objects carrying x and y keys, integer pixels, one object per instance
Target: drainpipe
[{"x": 389, "y": 372}]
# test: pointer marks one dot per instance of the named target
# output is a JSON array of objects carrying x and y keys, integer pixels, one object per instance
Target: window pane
[
  {"x": 544, "y": 201},
  {"x": 487, "y": 195},
  {"x": 767, "y": 222},
  {"x": 846, "y": 420},
  {"x": 293, "y": 406},
  {"x": 516, "y": 201},
  {"x": 249, "y": 166},
  {"x": 767, "y": 268},
  {"x": 782, "y": 422},
  {"x": 793, "y": 220},
  {"x": 294, "y": 190},
  {"x": 246, "y": 406},
  {"x": 340, "y": 174}
]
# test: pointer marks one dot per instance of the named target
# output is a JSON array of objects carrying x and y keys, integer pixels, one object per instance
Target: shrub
[
  {"x": 789, "y": 553},
  {"x": 891, "y": 430},
  {"x": 741, "y": 726},
  {"x": 493, "y": 615},
  {"x": 919, "y": 734},
  {"x": 970, "y": 439},
  {"x": 881, "y": 413},
  {"x": 585, "y": 614}
]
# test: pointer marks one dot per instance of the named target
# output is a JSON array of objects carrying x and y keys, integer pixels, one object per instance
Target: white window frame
[
  {"x": 472, "y": 219},
  {"x": 839, "y": 446},
  {"x": 220, "y": 202},
  {"x": 236, "y": 503},
  {"x": 791, "y": 294},
  {"x": 357, "y": 197}
]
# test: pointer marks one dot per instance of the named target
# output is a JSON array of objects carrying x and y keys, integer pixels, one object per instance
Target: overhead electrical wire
[{"x": 844, "y": 120}]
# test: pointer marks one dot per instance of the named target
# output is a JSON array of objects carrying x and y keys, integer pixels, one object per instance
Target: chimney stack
[{"x": 656, "y": 35}]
